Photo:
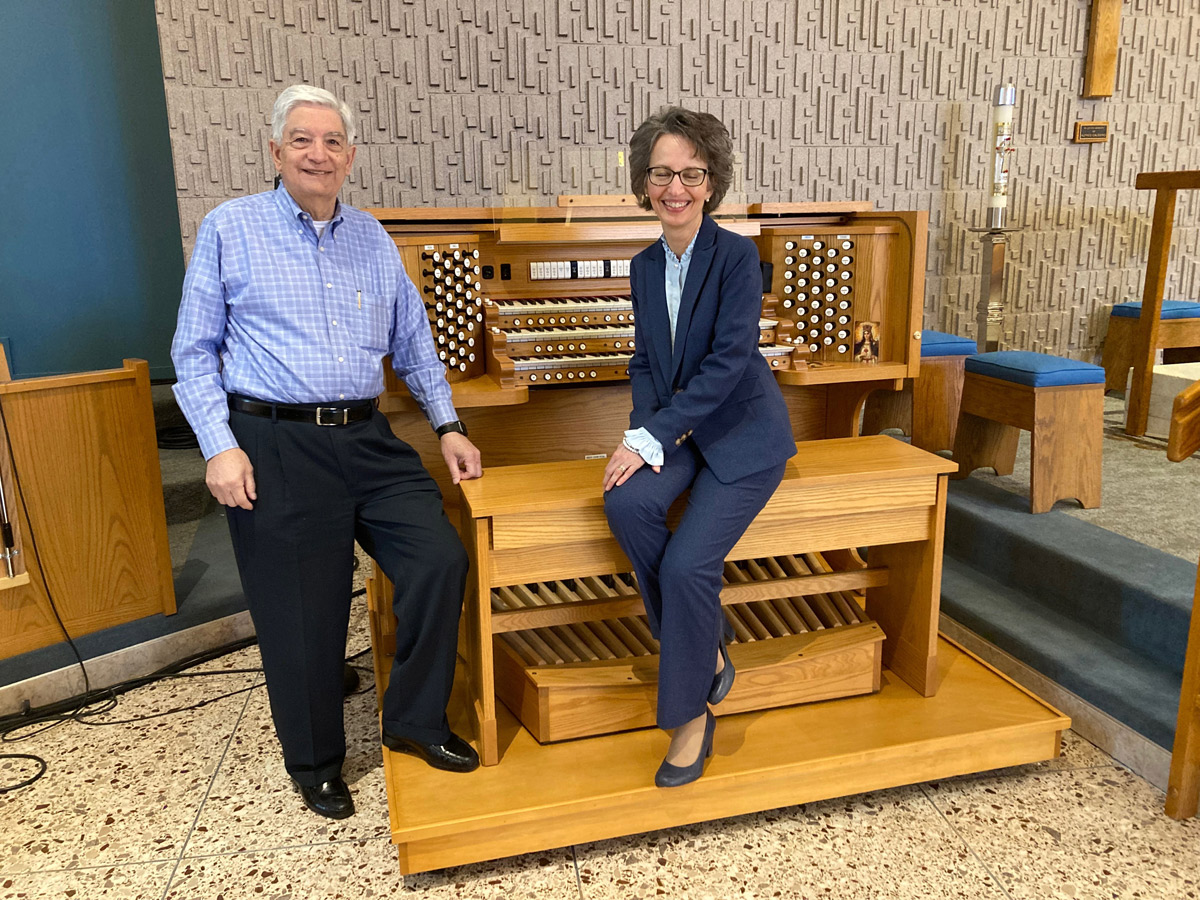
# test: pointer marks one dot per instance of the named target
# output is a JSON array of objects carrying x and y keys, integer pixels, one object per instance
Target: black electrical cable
[
  {"x": 78, "y": 708},
  {"x": 87, "y": 686},
  {"x": 82, "y": 708},
  {"x": 41, "y": 764}
]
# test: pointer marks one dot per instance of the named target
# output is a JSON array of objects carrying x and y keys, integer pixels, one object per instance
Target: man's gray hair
[{"x": 306, "y": 93}]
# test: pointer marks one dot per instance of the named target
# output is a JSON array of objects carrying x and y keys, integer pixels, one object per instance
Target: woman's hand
[{"x": 622, "y": 464}]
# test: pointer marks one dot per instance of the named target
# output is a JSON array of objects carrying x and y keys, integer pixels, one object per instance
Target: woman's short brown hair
[{"x": 703, "y": 131}]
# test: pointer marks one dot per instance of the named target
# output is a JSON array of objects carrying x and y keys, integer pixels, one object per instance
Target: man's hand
[
  {"x": 462, "y": 457},
  {"x": 230, "y": 478}
]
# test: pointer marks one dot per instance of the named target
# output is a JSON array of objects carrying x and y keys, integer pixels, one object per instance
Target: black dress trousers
[{"x": 320, "y": 489}]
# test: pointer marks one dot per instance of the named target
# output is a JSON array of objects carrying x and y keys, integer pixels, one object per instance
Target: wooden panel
[
  {"x": 536, "y": 799},
  {"x": 1104, "y": 33},
  {"x": 582, "y": 699},
  {"x": 848, "y": 461},
  {"x": 1184, "y": 439},
  {"x": 937, "y": 396},
  {"x": 591, "y": 610},
  {"x": 1066, "y": 446},
  {"x": 591, "y": 232},
  {"x": 998, "y": 400},
  {"x": 1117, "y": 355},
  {"x": 541, "y": 530},
  {"x": 1148, "y": 324},
  {"x": 604, "y": 556},
  {"x": 1179, "y": 181},
  {"x": 907, "y": 606},
  {"x": 604, "y": 200},
  {"x": 1183, "y": 784},
  {"x": 86, "y": 463}
]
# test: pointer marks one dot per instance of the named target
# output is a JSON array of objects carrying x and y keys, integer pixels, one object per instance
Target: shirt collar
[
  {"x": 293, "y": 211},
  {"x": 687, "y": 254}
]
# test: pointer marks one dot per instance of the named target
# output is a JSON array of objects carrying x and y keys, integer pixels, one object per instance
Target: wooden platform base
[{"x": 544, "y": 796}]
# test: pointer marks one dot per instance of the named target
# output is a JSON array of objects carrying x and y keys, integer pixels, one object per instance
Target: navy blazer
[{"x": 715, "y": 388}]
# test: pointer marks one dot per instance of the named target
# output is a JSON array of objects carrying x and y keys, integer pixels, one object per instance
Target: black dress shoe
[
  {"x": 455, "y": 755},
  {"x": 723, "y": 680},
  {"x": 350, "y": 680},
  {"x": 331, "y": 799},
  {"x": 677, "y": 776}
]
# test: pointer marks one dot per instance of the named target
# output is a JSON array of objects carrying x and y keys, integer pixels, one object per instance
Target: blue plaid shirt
[{"x": 272, "y": 311}]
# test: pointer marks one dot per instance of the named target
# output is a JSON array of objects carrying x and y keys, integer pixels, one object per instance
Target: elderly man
[{"x": 290, "y": 302}]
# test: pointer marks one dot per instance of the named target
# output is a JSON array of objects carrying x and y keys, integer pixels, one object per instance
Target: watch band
[{"x": 456, "y": 425}]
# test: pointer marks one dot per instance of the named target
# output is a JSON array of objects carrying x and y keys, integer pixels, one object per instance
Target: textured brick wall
[{"x": 470, "y": 103}]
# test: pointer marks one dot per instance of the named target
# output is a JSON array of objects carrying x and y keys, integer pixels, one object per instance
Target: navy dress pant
[
  {"x": 679, "y": 574},
  {"x": 320, "y": 489}
]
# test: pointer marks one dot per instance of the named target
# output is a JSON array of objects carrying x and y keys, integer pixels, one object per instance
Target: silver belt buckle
[{"x": 345, "y": 411}]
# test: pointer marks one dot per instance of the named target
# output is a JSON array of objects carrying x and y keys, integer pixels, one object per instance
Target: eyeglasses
[
  {"x": 662, "y": 176},
  {"x": 334, "y": 143}
]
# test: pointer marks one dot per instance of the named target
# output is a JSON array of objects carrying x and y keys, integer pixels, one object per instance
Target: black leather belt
[{"x": 313, "y": 413}]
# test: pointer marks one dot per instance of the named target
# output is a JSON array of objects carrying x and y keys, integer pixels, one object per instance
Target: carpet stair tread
[
  {"x": 1133, "y": 595},
  {"x": 1139, "y": 691}
]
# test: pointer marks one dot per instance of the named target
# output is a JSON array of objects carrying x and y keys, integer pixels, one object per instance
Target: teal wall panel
[{"x": 91, "y": 261}]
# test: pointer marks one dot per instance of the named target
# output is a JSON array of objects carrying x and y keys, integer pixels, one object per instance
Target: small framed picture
[{"x": 866, "y": 342}]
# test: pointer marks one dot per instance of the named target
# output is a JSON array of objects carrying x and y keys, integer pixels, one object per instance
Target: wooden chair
[
  {"x": 1166, "y": 185},
  {"x": 927, "y": 407},
  {"x": 1060, "y": 402},
  {"x": 1179, "y": 329}
]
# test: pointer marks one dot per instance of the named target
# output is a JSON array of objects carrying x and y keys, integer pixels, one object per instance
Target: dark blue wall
[{"x": 90, "y": 256}]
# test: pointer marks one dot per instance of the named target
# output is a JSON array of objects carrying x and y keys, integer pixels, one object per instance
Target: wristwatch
[{"x": 456, "y": 425}]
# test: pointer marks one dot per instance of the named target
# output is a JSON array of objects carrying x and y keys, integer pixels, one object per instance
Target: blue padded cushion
[
  {"x": 938, "y": 343},
  {"x": 1172, "y": 309},
  {"x": 1034, "y": 369}
]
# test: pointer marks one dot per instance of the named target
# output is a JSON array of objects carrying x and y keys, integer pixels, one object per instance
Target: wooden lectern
[{"x": 83, "y": 490}]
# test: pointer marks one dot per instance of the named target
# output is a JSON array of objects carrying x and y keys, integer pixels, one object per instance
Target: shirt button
[
  {"x": 341, "y": 396},
  {"x": 322, "y": 249},
  {"x": 340, "y": 359},
  {"x": 335, "y": 321},
  {"x": 328, "y": 285}
]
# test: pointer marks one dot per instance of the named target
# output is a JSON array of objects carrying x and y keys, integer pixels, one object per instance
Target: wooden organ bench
[
  {"x": 544, "y": 523},
  {"x": 528, "y": 306}
]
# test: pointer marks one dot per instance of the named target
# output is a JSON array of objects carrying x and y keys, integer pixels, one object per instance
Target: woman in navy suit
[{"x": 707, "y": 416}]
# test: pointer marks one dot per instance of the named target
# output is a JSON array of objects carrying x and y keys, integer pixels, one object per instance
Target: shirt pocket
[{"x": 370, "y": 321}]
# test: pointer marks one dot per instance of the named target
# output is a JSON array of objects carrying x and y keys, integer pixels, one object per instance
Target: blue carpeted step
[
  {"x": 1132, "y": 689},
  {"x": 1134, "y": 596}
]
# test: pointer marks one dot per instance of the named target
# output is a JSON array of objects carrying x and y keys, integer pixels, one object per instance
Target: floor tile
[
  {"x": 146, "y": 881},
  {"x": 252, "y": 804},
  {"x": 886, "y": 844},
  {"x": 1081, "y": 834},
  {"x": 364, "y": 869},
  {"x": 123, "y": 792}
]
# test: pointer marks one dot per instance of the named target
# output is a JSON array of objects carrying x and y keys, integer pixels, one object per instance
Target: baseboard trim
[{"x": 121, "y": 665}]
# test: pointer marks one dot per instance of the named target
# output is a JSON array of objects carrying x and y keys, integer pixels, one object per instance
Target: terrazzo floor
[
  {"x": 193, "y": 802},
  {"x": 196, "y": 804}
]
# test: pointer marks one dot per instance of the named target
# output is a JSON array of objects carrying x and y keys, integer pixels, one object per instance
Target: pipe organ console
[
  {"x": 531, "y": 311},
  {"x": 557, "y": 663}
]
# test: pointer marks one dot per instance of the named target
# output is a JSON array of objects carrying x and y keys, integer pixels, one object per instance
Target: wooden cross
[{"x": 1104, "y": 33}]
